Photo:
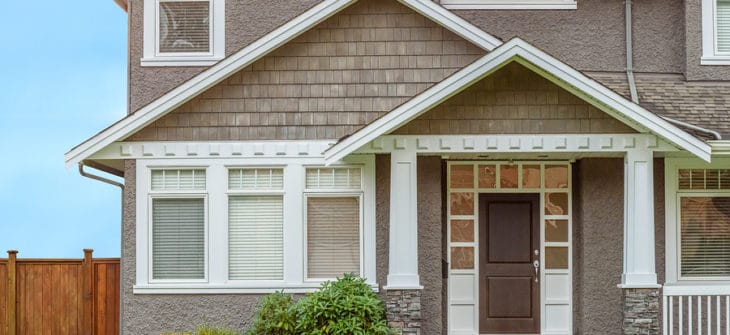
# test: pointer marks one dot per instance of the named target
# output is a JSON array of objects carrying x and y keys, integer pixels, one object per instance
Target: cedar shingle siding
[
  {"x": 514, "y": 100},
  {"x": 327, "y": 83}
]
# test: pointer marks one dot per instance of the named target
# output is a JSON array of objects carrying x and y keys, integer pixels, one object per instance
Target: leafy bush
[
  {"x": 347, "y": 306},
  {"x": 276, "y": 316}
]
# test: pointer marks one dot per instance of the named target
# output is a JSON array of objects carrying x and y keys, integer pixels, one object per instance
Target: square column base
[
  {"x": 641, "y": 311},
  {"x": 404, "y": 310}
]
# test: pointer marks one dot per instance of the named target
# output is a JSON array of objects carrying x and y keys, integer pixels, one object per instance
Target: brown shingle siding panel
[{"x": 514, "y": 100}]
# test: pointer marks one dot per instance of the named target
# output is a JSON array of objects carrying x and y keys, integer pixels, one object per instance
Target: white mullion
[
  {"x": 294, "y": 229},
  {"x": 217, "y": 184}
]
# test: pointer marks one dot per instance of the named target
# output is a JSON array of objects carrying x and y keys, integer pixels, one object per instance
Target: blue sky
[{"x": 62, "y": 79}]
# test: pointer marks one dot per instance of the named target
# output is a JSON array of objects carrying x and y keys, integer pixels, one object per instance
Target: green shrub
[
  {"x": 347, "y": 306},
  {"x": 276, "y": 316}
]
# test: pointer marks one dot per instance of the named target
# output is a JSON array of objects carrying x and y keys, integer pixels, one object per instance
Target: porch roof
[{"x": 517, "y": 50}]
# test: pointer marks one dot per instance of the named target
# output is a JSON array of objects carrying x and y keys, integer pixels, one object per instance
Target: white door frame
[{"x": 555, "y": 284}]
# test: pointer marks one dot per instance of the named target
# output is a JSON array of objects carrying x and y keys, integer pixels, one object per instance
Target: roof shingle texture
[{"x": 703, "y": 104}]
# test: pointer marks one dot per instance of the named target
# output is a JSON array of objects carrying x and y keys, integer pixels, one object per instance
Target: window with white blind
[
  {"x": 333, "y": 221},
  {"x": 180, "y": 31},
  {"x": 255, "y": 224},
  {"x": 705, "y": 236},
  {"x": 252, "y": 225},
  {"x": 716, "y": 32},
  {"x": 698, "y": 220},
  {"x": 178, "y": 224}
]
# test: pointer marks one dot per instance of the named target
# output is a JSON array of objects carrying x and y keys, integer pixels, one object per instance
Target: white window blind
[
  {"x": 723, "y": 26},
  {"x": 178, "y": 239},
  {"x": 184, "y": 26},
  {"x": 705, "y": 236},
  {"x": 178, "y": 180},
  {"x": 333, "y": 236},
  {"x": 256, "y": 179},
  {"x": 334, "y": 178},
  {"x": 256, "y": 237}
]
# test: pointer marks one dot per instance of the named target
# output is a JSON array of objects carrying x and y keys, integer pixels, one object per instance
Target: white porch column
[
  {"x": 639, "y": 261},
  {"x": 403, "y": 256}
]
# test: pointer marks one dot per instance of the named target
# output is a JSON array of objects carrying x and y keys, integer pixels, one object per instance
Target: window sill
[
  {"x": 715, "y": 60},
  {"x": 511, "y": 5},
  {"x": 180, "y": 61},
  {"x": 227, "y": 289}
]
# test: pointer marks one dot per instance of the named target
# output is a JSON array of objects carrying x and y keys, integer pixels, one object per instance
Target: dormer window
[
  {"x": 183, "y": 32},
  {"x": 715, "y": 32}
]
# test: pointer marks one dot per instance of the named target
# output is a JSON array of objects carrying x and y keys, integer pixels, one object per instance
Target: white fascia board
[
  {"x": 454, "y": 23},
  {"x": 532, "y": 57},
  {"x": 255, "y": 51}
]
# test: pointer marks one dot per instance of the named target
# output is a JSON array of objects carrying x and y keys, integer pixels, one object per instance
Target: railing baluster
[
  {"x": 664, "y": 309},
  {"x": 709, "y": 315},
  {"x": 689, "y": 314},
  {"x": 681, "y": 315}
]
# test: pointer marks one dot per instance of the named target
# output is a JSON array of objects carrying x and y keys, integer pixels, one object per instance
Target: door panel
[{"x": 509, "y": 296}]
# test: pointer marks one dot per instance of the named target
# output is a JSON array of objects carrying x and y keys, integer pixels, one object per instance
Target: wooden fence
[{"x": 59, "y": 296}]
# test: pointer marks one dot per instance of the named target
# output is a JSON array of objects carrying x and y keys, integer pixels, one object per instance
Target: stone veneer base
[
  {"x": 641, "y": 311},
  {"x": 404, "y": 310}
]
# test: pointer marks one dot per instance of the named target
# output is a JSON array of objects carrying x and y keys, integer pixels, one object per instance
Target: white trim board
[
  {"x": 227, "y": 149},
  {"x": 253, "y": 52},
  {"x": 552, "y": 69},
  {"x": 528, "y": 143}
]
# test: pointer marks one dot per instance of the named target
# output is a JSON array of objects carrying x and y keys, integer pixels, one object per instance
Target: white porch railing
[{"x": 696, "y": 310}]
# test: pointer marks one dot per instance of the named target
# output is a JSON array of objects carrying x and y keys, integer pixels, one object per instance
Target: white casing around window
[
  {"x": 151, "y": 55},
  {"x": 710, "y": 53},
  {"x": 672, "y": 216},
  {"x": 217, "y": 194},
  {"x": 510, "y": 4}
]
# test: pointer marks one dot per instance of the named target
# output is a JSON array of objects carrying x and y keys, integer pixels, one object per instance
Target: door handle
[{"x": 536, "y": 265}]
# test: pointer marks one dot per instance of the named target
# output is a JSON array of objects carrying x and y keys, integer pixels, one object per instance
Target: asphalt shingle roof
[{"x": 704, "y": 104}]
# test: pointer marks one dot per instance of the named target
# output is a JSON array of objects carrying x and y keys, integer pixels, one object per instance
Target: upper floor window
[
  {"x": 715, "y": 32},
  {"x": 183, "y": 32},
  {"x": 509, "y": 4}
]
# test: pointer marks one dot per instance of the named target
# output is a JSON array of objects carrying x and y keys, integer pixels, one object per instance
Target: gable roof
[
  {"x": 255, "y": 51},
  {"x": 554, "y": 70}
]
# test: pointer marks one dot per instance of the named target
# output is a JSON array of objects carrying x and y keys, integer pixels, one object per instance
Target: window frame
[
  {"x": 325, "y": 193},
  {"x": 710, "y": 54},
  {"x": 673, "y": 228},
  {"x": 511, "y": 4},
  {"x": 217, "y": 224},
  {"x": 176, "y": 194},
  {"x": 256, "y": 192},
  {"x": 152, "y": 55}
]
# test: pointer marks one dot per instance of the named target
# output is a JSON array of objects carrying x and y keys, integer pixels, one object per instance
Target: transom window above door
[{"x": 183, "y": 32}]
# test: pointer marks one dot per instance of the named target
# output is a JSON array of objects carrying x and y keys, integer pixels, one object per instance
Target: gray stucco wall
[
  {"x": 598, "y": 242},
  {"x": 590, "y": 38},
  {"x": 693, "y": 40}
]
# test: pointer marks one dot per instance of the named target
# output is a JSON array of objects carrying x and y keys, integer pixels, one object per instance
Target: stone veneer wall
[
  {"x": 641, "y": 311},
  {"x": 404, "y": 310}
]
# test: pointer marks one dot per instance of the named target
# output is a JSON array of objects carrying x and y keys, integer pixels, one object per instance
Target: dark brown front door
[{"x": 509, "y": 295}]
